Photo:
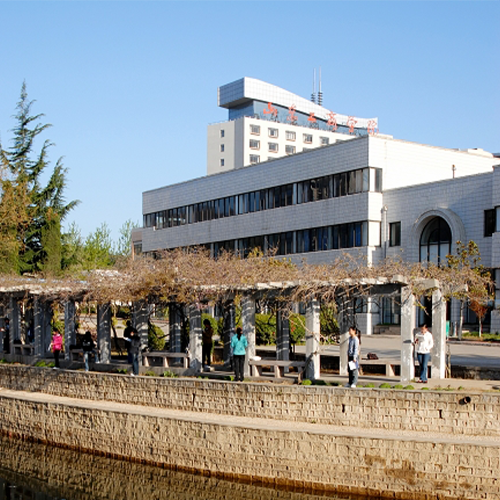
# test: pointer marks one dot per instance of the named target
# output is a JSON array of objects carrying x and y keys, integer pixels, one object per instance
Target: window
[
  {"x": 273, "y": 132},
  {"x": 254, "y": 159},
  {"x": 273, "y": 147},
  {"x": 255, "y": 129},
  {"x": 222, "y": 148},
  {"x": 395, "y": 234},
  {"x": 290, "y": 136},
  {"x": 308, "y": 138},
  {"x": 254, "y": 144},
  {"x": 490, "y": 222},
  {"x": 222, "y": 133},
  {"x": 222, "y": 162},
  {"x": 324, "y": 141},
  {"x": 290, "y": 150},
  {"x": 435, "y": 241}
]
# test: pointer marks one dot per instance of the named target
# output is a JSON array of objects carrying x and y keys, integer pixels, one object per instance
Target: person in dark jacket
[{"x": 88, "y": 346}]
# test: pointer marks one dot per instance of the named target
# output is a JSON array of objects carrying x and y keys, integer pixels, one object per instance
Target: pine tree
[{"x": 43, "y": 208}]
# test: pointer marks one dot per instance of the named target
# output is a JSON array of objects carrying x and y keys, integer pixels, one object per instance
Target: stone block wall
[
  {"x": 425, "y": 411},
  {"x": 288, "y": 455}
]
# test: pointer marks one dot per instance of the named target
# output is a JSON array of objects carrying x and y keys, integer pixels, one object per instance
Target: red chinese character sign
[
  {"x": 351, "y": 122},
  {"x": 332, "y": 121},
  {"x": 292, "y": 117},
  {"x": 271, "y": 110}
]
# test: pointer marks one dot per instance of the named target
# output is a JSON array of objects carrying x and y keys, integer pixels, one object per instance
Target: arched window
[{"x": 435, "y": 241}]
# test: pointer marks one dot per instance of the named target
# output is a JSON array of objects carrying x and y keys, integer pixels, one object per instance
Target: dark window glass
[
  {"x": 435, "y": 241},
  {"x": 490, "y": 222},
  {"x": 395, "y": 234}
]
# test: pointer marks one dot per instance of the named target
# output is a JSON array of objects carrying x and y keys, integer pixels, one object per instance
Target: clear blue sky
[{"x": 130, "y": 87}]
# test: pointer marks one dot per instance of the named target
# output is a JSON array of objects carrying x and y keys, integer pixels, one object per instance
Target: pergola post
[
  {"x": 283, "y": 334},
  {"x": 313, "y": 359},
  {"x": 439, "y": 333},
  {"x": 42, "y": 315},
  {"x": 229, "y": 320},
  {"x": 141, "y": 317},
  {"x": 248, "y": 327},
  {"x": 174, "y": 326},
  {"x": 408, "y": 318},
  {"x": 344, "y": 324},
  {"x": 195, "y": 340},
  {"x": 15, "y": 322},
  {"x": 104, "y": 332},
  {"x": 69, "y": 326}
]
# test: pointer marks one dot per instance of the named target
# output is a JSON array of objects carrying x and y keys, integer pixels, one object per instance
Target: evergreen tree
[{"x": 44, "y": 206}]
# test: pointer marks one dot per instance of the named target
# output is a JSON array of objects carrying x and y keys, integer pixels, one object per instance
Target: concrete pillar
[
  {"x": 174, "y": 327},
  {"x": 345, "y": 320},
  {"x": 439, "y": 333},
  {"x": 408, "y": 318},
  {"x": 140, "y": 312},
  {"x": 313, "y": 359},
  {"x": 365, "y": 319},
  {"x": 195, "y": 332},
  {"x": 69, "y": 326},
  {"x": 283, "y": 334},
  {"x": 229, "y": 325},
  {"x": 15, "y": 322},
  {"x": 248, "y": 327},
  {"x": 42, "y": 316},
  {"x": 104, "y": 332}
]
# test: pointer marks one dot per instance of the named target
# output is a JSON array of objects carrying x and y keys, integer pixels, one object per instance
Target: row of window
[
  {"x": 273, "y": 147},
  {"x": 289, "y": 134},
  {"x": 316, "y": 239},
  {"x": 320, "y": 188}
]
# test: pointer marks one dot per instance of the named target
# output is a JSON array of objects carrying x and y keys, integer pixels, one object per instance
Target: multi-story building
[{"x": 371, "y": 195}]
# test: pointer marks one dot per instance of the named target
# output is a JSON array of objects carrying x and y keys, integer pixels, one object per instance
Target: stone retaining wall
[
  {"x": 393, "y": 467},
  {"x": 444, "y": 412}
]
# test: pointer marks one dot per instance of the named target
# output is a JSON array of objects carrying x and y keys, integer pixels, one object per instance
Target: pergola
[{"x": 41, "y": 297}]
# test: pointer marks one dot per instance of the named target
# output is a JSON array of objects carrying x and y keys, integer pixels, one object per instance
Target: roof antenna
[
  {"x": 313, "y": 95},
  {"x": 320, "y": 94}
]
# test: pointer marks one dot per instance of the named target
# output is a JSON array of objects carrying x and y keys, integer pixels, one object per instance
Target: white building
[{"x": 371, "y": 195}]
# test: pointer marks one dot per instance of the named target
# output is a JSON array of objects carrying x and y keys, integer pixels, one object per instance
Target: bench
[
  {"x": 278, "y": 366},
  {"x": 389, "y": 364},
  {"x": 77, "y": 354},
  {"x": 166, "y": 357},
  {"x": 24, "y": 349}
]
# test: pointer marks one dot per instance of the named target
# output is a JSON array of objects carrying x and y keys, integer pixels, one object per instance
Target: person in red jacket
[{"x": 57, "y": 342}]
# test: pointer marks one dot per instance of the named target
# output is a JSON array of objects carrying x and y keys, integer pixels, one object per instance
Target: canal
[{"x": 32, "y": 471}]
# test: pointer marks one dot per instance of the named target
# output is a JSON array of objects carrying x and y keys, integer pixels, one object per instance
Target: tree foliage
[{"x": 32, "y": 229}]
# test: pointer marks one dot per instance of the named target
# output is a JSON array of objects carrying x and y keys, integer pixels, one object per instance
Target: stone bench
[
  {"x": 389, "y": 365},
  {"x": 166, "y": 358},
  {"x": 277, "y": 365},
  {"x": 24, "y": 349},
  {"x": 77, "y": 354}
]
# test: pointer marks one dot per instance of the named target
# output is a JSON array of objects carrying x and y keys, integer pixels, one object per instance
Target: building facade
[{"x": 369, "y": 195}]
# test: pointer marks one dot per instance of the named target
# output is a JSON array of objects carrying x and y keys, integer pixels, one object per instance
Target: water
[{"x": 30, "y": 471}]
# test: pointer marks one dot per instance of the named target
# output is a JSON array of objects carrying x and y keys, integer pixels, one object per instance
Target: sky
[{"x": 130, "y": 86}]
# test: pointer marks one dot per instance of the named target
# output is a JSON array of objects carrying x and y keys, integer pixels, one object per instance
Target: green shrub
[
  {"x": 408, "y": 388},
  {"x": 385, "y": 385},
  {"x": 369, "y": 385},
  {"x": 150, "y": 373},
  {"x": 306, "y": 381},
  {"x": 425, "y": 388},
  {"x": 297, "y": 328},
  {"x": 169, "y": 374},
  {"x": 319, "y": 382},
  {"x": 398, "y": 386},
  {"x": 265, "y": 329},
  {"x": 328, "y": 322},
  {"x": 156, "y": 338}
]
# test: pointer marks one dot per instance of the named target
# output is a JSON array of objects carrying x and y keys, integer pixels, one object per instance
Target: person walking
[
  {"x": 239, "y": 345},
  {"x": 424, "y": 343},
  {"x": 127, "y": 333},
  {"x": 207, "y": 343},
  {"x": 56, "y": 344},
  {"x": 353, "y": 357},
  {"x": 88, "y": 346}
]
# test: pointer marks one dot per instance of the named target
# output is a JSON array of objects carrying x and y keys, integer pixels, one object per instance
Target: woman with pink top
[{"x": 56, "y": 345}]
